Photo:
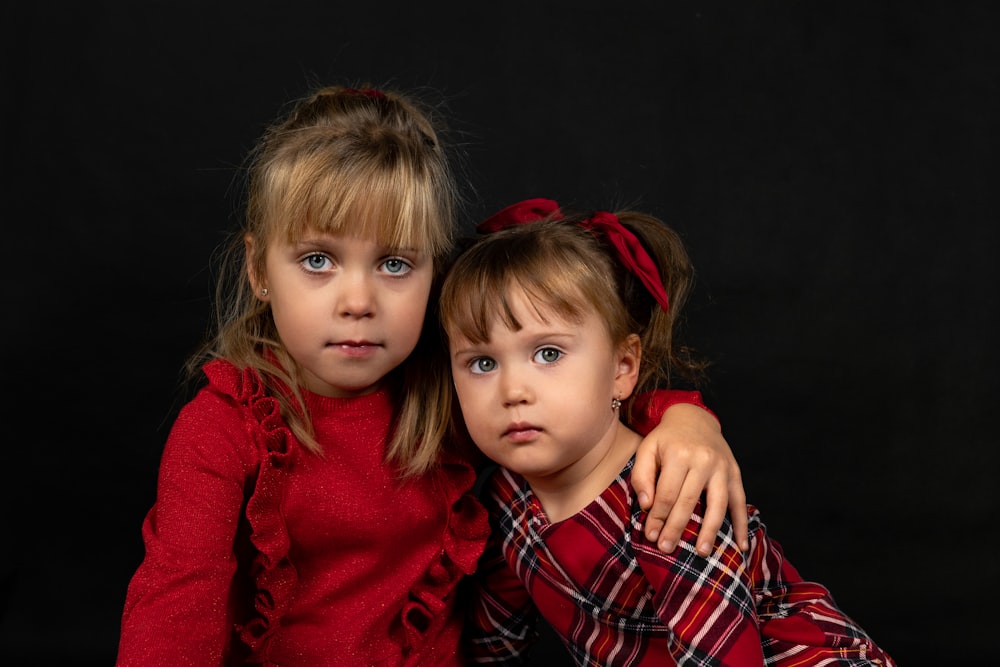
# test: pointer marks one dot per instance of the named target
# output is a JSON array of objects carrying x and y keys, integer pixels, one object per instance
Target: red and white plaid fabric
[{"x": 616, "y": 600}]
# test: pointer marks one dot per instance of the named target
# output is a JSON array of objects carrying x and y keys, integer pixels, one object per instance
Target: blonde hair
[
  {"x": 356, "y": 161},
  {"x": 564, "y": 269}
]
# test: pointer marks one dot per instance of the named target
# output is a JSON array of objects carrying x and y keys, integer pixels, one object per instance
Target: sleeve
[
  {"x": 178, "y": 608},
  {"x": 502, "y": 624},
  {"x": 649, "y": 406},
  {"x": 799, "y": 621},
  {"x": 706, "y": 603}
]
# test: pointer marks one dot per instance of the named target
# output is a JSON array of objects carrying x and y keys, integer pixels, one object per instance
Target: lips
[
  {"x": 355, "y": 348},
  {"x": 522, "y": 432}
]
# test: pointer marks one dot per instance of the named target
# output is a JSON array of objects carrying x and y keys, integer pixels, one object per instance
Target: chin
[{"x": 531, "y": 468}]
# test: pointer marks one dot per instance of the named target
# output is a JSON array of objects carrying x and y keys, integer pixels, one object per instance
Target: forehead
[
  {"x": 338, "y": 243},
  {"x": 523, "y": 313},
  {"x": 374, "y": 224},
  {"x": 532, "y": 310}
]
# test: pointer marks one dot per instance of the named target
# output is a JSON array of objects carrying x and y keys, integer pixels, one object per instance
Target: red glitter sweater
[
  {"x": 258, "y": 552},
  {"x": 261, "y": 553}
]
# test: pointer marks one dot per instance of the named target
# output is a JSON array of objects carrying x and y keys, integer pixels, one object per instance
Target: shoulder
[
  {"x": 727, "y": 553},
  {"x": 647, "y": 552},
  {"x": 506, "y": 496},
  {"x": 500, "y": 484},
  {"x": 217, "y": 407},
  {"x": 218, "y": 423},
  {"x": 495, "y": 479}
]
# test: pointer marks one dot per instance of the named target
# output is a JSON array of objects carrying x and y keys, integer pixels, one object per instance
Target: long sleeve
[
  {"x": 178, "y": 609},
  {"x": 650, "y": 406},
  {"x": 799, "y": 621},
  {"x": 757, "y": 608}
]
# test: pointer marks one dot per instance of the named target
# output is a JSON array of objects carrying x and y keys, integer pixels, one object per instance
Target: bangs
[
  {"x": 472, "y": 306},
  {"x": 387, "y": 200}
]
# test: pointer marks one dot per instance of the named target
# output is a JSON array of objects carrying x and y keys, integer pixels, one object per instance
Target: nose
[
  {"x": 357, "y": 297},
  {"x": 514, "y": 390}
]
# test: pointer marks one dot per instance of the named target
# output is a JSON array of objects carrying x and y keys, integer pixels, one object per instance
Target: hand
[{"x": 690, "y": 454}]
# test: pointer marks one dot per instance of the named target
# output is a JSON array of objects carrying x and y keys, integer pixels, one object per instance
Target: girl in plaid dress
[{"x": 555, "y": 324}]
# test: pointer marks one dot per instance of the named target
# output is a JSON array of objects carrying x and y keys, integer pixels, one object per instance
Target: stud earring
[
  {"x": 263, "y": 291},
  {"x": 616, "y": 403}
]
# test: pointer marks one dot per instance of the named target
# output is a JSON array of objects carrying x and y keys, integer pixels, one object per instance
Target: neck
[{"x": 565, "y": 493}]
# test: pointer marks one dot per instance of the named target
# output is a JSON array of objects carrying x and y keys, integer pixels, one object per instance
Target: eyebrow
[
  {"x": 535, "y": 338},
  {"x": 326, "y": 240}
]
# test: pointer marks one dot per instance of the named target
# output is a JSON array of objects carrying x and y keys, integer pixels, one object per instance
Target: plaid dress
[{"x": 615, "y": 599}]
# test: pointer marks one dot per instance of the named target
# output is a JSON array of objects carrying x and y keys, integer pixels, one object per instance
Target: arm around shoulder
[{"x": 683, "y": 456}]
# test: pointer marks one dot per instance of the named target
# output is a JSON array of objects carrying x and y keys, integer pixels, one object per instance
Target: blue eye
[
  {"x": 482, "y": 365},
  {"x": 396, "y": 266},
  {"x": 316, "y": 262},
  {"x": 548, "y": 355}
]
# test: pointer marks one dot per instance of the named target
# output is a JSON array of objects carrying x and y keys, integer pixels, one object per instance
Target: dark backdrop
[{"x": 832, "y": 167}]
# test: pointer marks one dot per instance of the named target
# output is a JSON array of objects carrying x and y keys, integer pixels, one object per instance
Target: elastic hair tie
[{"x": 628, "y": 249}]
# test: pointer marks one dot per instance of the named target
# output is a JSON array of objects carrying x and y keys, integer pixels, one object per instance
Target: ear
[
  {"x": 627, "y": 366},
  {"x": 258, "y": 283}
]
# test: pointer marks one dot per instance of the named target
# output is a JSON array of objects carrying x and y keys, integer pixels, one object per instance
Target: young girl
[
  {"x": 308, "y": 510},
  {"x": 552, "y": 326}
]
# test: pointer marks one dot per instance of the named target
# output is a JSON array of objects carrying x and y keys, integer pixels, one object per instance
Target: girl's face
[
  {"x": 538, "y": 401},
  {"x": 347, "y": 309}
]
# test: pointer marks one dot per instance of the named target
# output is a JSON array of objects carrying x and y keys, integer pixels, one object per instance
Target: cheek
[
  {"x": 412, "y": 306},
  {"x": 585, "y": 399},
  {"x": 288, "y": 318},
  {"x": 465, "y": 397},
  {"x": 410, "y": 316},
  {"x": 403, "y": 324},
  {"x": 471, "y": 402}
]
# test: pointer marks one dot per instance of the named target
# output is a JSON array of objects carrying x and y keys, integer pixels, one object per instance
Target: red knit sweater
[{"x": 258, "y": 552}]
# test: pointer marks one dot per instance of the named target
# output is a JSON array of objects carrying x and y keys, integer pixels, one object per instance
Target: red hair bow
[
  {"x": 367, "y": 92},
  {"x": 626, "y": 245}
]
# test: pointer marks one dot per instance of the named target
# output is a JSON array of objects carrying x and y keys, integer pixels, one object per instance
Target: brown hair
[
  {"x": 345, "y": 160},
  {"x": 568, "y": 270}
]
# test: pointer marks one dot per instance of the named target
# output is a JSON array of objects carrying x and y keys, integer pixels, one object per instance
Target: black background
[{"x": 832, "y": 167}]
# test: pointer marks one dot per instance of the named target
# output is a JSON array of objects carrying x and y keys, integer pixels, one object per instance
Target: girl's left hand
[{"x": 691, "y": 456}]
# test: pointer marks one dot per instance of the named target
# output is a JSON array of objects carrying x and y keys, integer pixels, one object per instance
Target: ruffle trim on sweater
[
  {"x": 465, "y": 535},
  {"x": 271, "y": 569},
  {"x": 425, "y": 613}
]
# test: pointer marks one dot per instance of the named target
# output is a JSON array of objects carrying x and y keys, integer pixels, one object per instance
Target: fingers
[
  {"x": 693, "y": 458},
  {"x": 722, "y": 494},
  {"x": 644, "y": 478},
  {"x": 676, "y": 498},
  {"x": 716, "y": 499},
  {"x": 738, "y": 508},
  {"x": 668, "y": 490},
  {"x": 679, "y": 515}
]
